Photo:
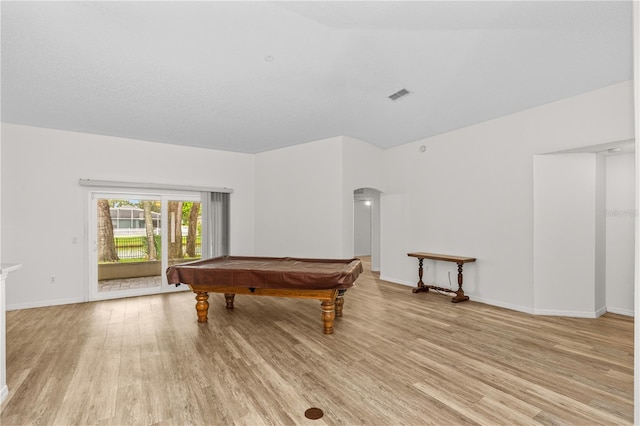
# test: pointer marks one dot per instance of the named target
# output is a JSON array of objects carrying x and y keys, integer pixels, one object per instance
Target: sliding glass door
[
  {"x": 135, "y": 236},
  {"x": 184, "y": 242}
]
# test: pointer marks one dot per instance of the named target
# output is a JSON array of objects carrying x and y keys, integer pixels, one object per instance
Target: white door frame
[{"x": 163, "y": 197}]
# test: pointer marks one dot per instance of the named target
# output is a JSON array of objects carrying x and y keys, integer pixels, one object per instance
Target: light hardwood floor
[{"x": 395, "y": 358}]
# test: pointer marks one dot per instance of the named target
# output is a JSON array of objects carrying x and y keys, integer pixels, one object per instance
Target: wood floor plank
[{"x": 395, "y": 358}]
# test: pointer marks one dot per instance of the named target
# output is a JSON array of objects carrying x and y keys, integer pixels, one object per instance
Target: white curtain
[{"x": 215, "y": 224}]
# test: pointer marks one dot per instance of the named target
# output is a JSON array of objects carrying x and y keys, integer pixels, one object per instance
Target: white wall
[
  {"x": 299, "y": 203},
  {"x": 583, "y": 234},
  {"x": 600, "y": 266},
  {"x": 361, "y": 228},
  {"x": 376, "y": 249},
  {"x": 304, "y": 196},
  {"x": 471, "y": 192},
  {"x": 4, "y": 391},
  {"x": 361, "y": 168},
  {"x": 565, "y": 237},
  {"x": 620, "y": 222},
  {"x": 44, "y": 208},
  {"x": 366, "y": 222},
  {"x": 397, "y": 240},
  {"x": 636, "y": 304}
]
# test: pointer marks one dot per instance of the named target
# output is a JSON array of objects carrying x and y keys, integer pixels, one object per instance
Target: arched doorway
[{"x": 366, "y": 225}]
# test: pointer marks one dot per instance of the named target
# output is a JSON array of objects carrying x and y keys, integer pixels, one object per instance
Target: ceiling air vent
[{"x": 399, "y": 94}]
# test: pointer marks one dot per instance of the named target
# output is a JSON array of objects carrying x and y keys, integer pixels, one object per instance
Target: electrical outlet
[{"x": 52, "y": 279}]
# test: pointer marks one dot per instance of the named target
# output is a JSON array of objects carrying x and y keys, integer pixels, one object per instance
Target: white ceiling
[{"x": 198, "y": 74}]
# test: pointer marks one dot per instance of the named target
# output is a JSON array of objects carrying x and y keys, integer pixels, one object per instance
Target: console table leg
[
  {"x": 421, "y": 286},
  {"x": 459, "y": 297}
]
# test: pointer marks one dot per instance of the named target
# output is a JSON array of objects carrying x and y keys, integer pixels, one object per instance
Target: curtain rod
[{"x": 138, "y": 185}]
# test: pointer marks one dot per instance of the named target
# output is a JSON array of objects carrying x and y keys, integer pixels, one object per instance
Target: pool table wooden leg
[
  {"x": 202, "y": 306},
  {"x": 328, "y": 315},
  {"x": 228, "y": 299},
  {"x": 339, "y": 305}
]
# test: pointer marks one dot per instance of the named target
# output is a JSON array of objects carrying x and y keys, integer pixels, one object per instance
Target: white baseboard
[
  {"x": 601, "y": 312},
  {"x": 573, "y": 314},
  {"x": 544, "y": 312},
  {"x": 526, "y": 309},
  {"x": 30, "y": 305},
  {"x": 4, "y": 393},
  {"x": 621, "y": 311},
  {"x": 395, "y": 281},
  {"x": 500, "y": 304}
]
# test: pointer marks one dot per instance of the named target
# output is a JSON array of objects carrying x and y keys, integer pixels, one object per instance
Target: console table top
[{"x": 445, "y": 257}]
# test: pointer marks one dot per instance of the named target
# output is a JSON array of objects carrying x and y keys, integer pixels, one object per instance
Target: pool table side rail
[{"x": 281, "y": 273}]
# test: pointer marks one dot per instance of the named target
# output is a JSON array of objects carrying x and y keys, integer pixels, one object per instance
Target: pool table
[{"x": 323, "y": 279}]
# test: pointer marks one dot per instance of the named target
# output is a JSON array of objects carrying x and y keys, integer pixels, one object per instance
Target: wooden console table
[{"x": 460, "y": 260}]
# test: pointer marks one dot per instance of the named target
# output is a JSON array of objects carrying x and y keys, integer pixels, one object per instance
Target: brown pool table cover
[{"x": 267, "y": 272}]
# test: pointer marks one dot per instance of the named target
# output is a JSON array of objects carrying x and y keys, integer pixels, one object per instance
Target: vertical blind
[{"x": 215, "y": 221}]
